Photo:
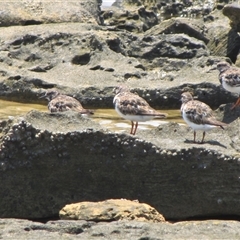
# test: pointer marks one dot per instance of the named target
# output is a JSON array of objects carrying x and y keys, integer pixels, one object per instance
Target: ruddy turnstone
[
  {"x": 58, "y": 102},
  {"x": 229, "y": 77},
  {"x": 198, "y": 115},
  {"x": 132, "y": 107}
]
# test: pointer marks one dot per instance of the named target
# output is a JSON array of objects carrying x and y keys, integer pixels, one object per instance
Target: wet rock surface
[{"x": 50, "y": 160}]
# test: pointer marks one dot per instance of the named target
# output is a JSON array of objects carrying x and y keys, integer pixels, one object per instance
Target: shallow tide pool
[{"x": 108, "y": 118}]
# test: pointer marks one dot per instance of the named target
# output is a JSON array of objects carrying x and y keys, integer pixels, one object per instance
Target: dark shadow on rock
[
  {"x": 211, "y": 142},
  {"x": 233, "y": 45},
  {"x": 227, "y": 115}
]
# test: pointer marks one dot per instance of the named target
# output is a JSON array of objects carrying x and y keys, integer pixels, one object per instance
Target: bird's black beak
[
  {"x": 114, "y": 90},
  {"x": 212, "y": 68},
  {"x": 43, "y": 95}
]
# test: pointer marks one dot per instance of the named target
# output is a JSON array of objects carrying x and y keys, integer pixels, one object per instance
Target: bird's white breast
[
  {"x": 230, "y": 88},
  {"x": 196, "y": 127}
]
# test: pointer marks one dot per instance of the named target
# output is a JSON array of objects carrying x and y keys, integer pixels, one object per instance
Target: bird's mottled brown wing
[
  {"x": 200, "y": 113},
  {"x": 130, "y": 103},
  {"x": 64, "y": 103}
]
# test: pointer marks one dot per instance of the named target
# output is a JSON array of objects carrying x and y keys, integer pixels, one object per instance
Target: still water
[
  {"x": 108, "y": 118},
  {"x": 107, "y": 3}
]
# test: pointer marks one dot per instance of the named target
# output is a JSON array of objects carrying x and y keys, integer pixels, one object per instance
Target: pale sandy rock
[
  {"x": 111, "y": 210},
  {"x": 43, "y": 11},
  {"x": 232, "y": 11}
]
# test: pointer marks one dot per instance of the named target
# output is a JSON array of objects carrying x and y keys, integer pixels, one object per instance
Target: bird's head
[
  {"x": 50, "y": 94},
  {"x": 186, "y": 97},
  {"x": 121, "y": 89},
  {"x": 223, "y": 66}
]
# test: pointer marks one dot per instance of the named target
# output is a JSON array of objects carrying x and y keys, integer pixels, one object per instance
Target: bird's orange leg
[
  {"x": 203, "y": 136},
  {"x": 136, "y": 125},
  {"x": 236, "y": 104},
  {"x": 132, "y": 127},
  {"x": 194, "y": 136}
]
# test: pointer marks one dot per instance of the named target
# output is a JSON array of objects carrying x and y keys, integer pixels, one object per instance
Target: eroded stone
[{"x": 111, "y": 210}]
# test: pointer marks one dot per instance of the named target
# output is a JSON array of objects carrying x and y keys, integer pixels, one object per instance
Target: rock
[
  {"x": 136, "y": 20},
  {"x": 87, "y": 60},
  {"x": 179, "y": 46},
  {"x": 29, "y": 66},
  {"x": 134, "y": 230},
  {"x": 63, "y": 64},
  {"x": 50, "y": 160},
  {"x": 184, "y": 230},
  {"x": 167, "y": 9},
  {"x": 25, "y": 229},
  {"x": 193, "y": 28},
  {"x": 110, "y": 210},
  {"x": 225, "y": 113},
  {"x": 219, "y": 4},
  {"x": 223, "y": 40},
  {"x": 232, "y": 11},
  {"x": 42, "y": 12}
]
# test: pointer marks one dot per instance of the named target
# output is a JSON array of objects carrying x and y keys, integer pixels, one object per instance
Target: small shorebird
[
  {"x": 198, "y": 115},
  {"x": 229, "y": 77},
  {"x": 132, "y": 107},
  {"x": 58, "y": 102}
]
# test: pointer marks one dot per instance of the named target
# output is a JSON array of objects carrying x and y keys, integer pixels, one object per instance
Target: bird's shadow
[
  {"x": 212, "y": 142},
  {"x": 228, "y": 114}
]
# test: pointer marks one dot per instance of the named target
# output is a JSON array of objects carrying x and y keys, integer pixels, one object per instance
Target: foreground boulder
[
  {"x": 50, "y": 160},
  {"x": 110, "y": 210}
]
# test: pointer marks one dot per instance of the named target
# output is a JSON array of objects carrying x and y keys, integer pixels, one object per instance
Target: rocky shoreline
[{"x": 50, "y": 160}]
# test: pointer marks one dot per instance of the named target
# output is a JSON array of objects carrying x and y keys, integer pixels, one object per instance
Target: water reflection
[
  {"x": 107, "y": 3},
  {"x": 108, "y": 118},
  {"x": 13, "y": 109},
  {"x": 111, "y": 120}
]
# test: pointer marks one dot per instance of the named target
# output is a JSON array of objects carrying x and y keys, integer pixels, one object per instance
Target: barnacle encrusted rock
[{"x": 50, "y": 160}]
